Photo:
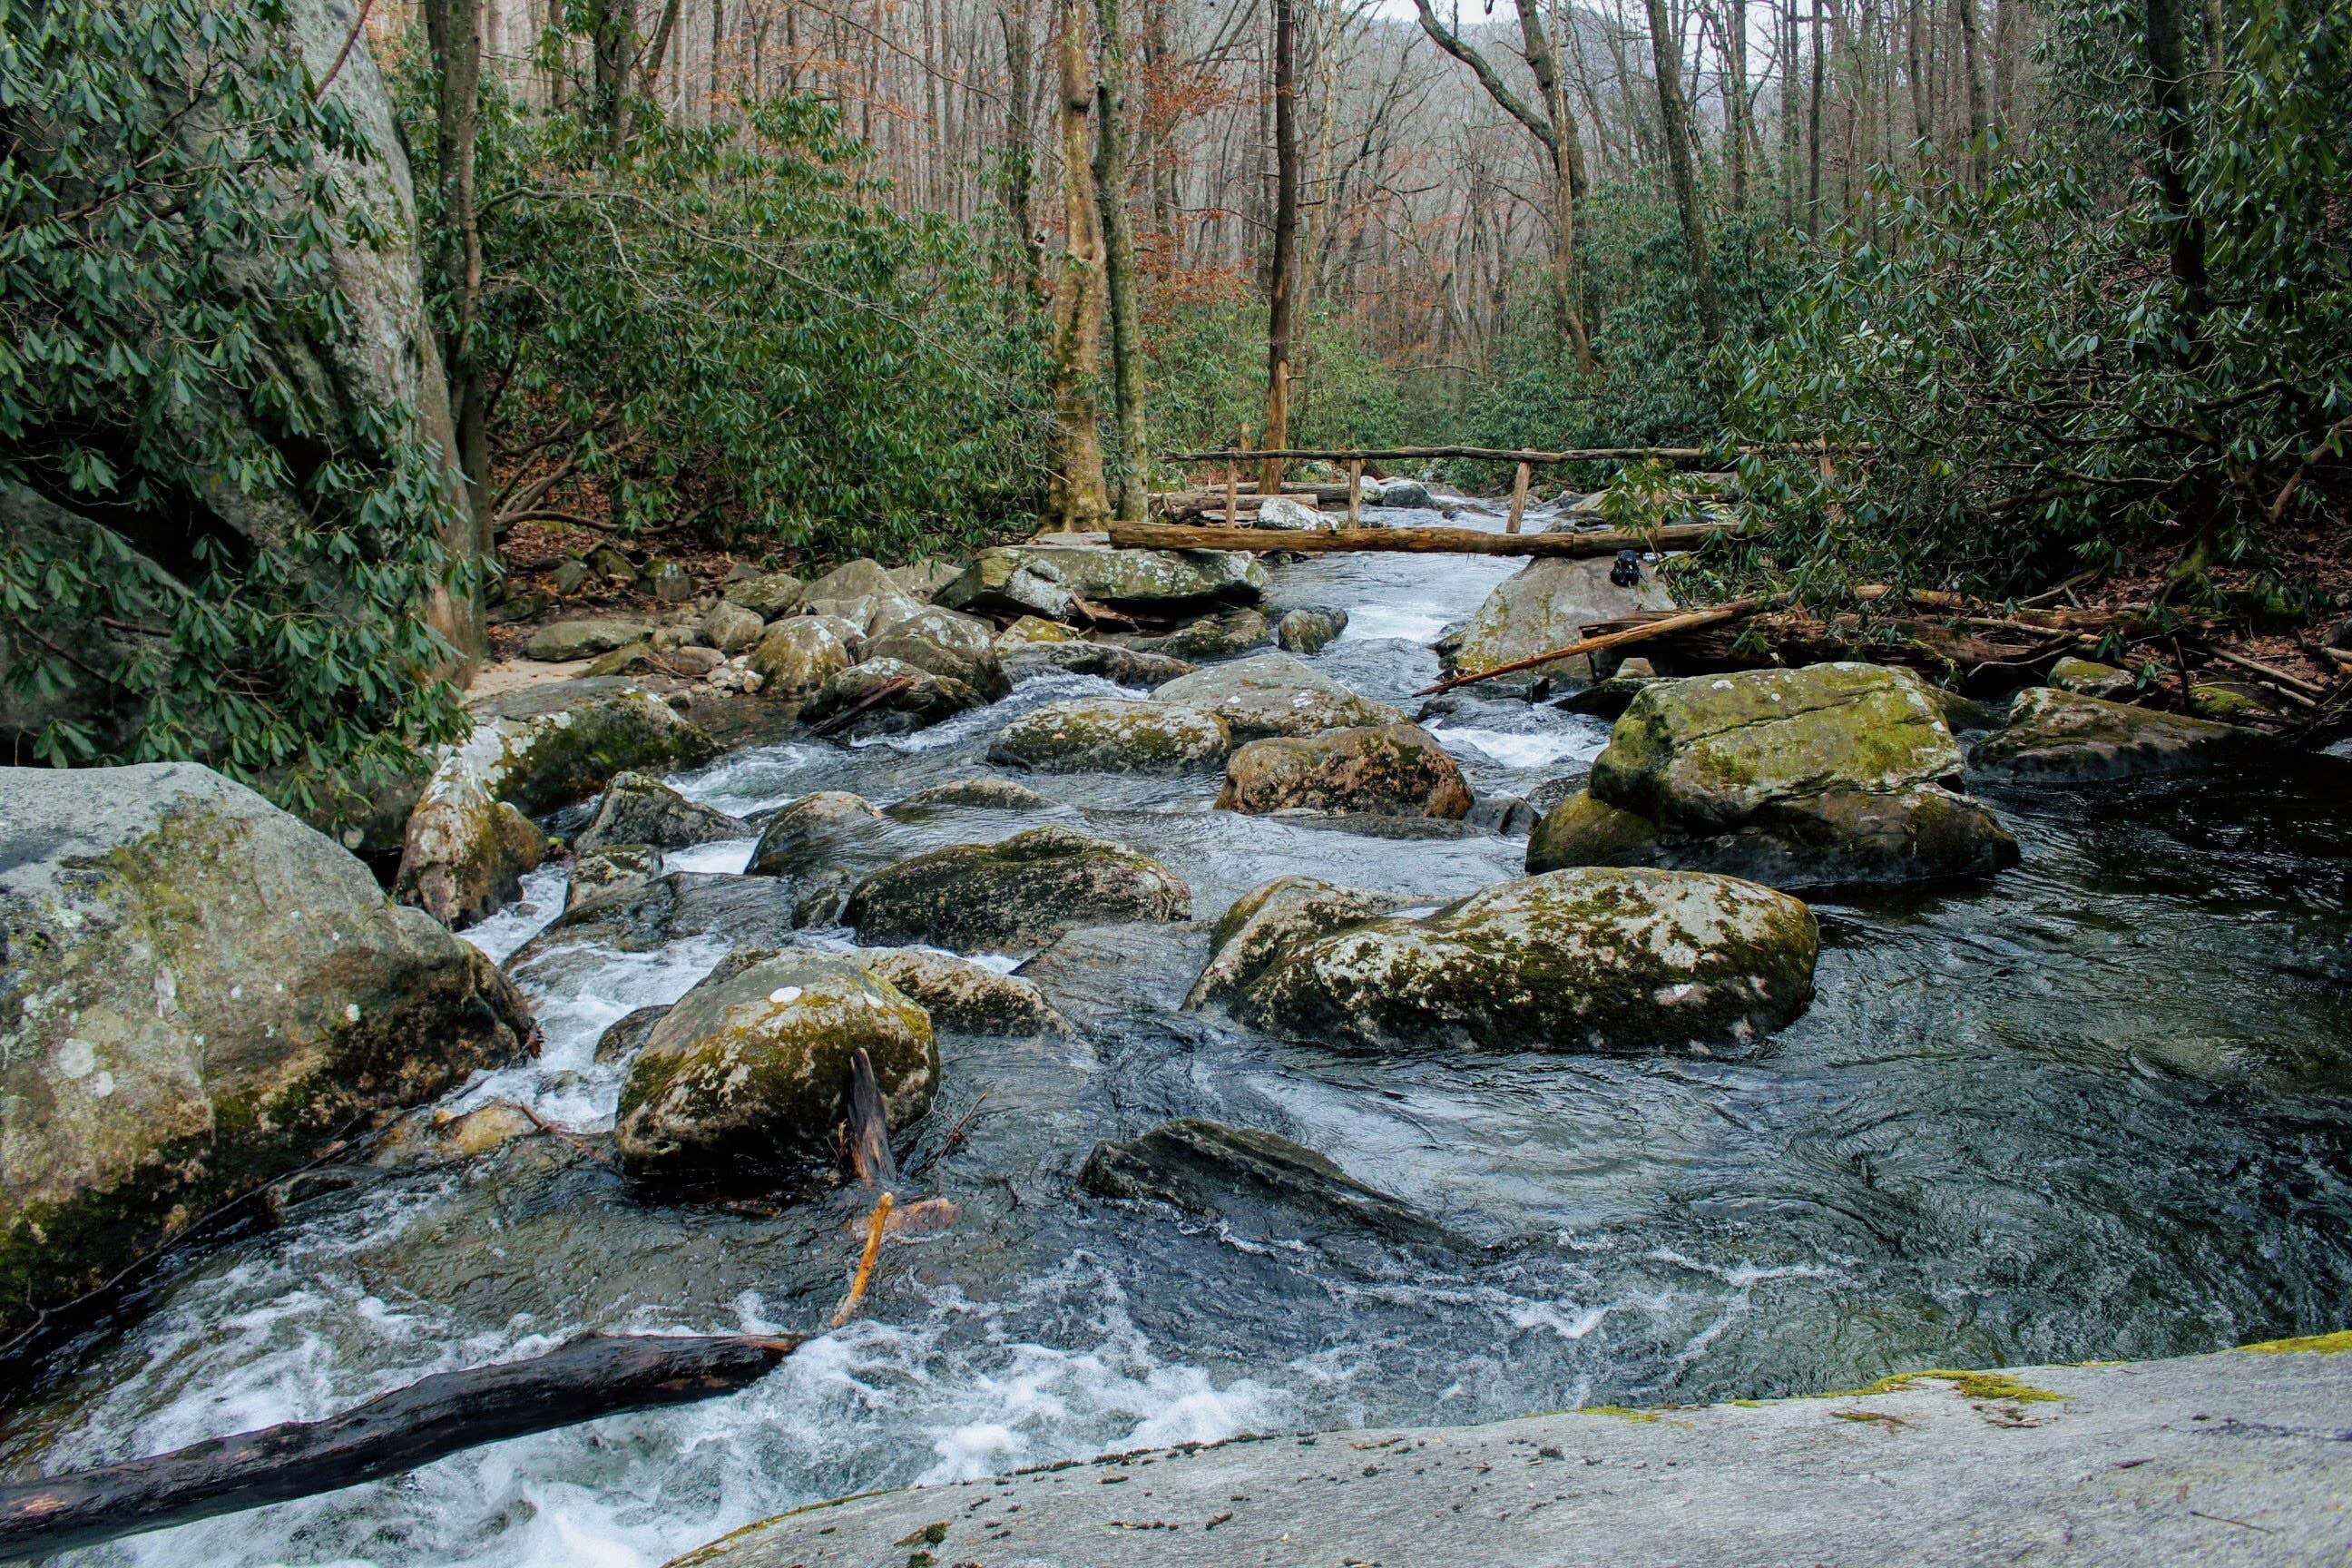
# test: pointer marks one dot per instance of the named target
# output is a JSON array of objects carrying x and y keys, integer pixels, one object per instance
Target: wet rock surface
[
  {"x": 1052, "y": 580},
  {"x": 636, "y": 808},
  {"x": 1548, "y": 605},
  {"x": 2065, "y": 737},
  {"x": 1107, "y": 735},
  {"x": 1397, "y": 770},
  {"x": 1014, "y": 895},
  {"x": 1275, "y": 694},
  {"x": 1265, "y": 920}
]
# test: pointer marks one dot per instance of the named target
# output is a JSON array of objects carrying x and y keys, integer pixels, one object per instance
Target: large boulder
[
  {"x": 772, "y": 595},
  {"x": 2064, "y": 737},
  {"x": 1107, "y": 735},
  {"x": 1274, "y": 694},
  {"x": 983, "y": 792},
  {"x": 869, "y": 612},
  {"x": 1015, "y": 896},
  {"x": 732, "y": 629},
  {"x": 961, "y": 648},
  {"x": 751, "y": 1067},
  {"x": 567, "y": 640},
  {"x": 1260, "y": 1184},
  {"x": 1309, "y": 630},
  {"x": 198, "y": 993},
  {"x": 1265, "y": 920},
  {"x": 1026, "y": 659},
  {"x": 637, "y": 808},
  {"x": 1051, "y": 580},
  {"x": 1547, "y": 604},
  {"x": 797, "y": 656},
  {"x": 1394, "y": 770},
  {"x": 813, "y": 830},
  {"x": 959, "y": 995},
  {"x": 1827, "y": 777},
  {"x": 851, "y": 580},
  {"x": 1220, "y": 635},
  {"x": 1591, "y": 960},
  {"x": 610, "y": 870},
  {"x": 887, "y": 697},
  {"x": 464, "y": 856}
]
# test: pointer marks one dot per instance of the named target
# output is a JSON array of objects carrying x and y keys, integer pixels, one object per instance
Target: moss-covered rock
[
  {"x": 986, "y": 792},
  {"x": 1105, "y": 734},
  {"x": 1308, "y": 630},
  {"x": 813, "y": 830},
  {"x": 1133, "y": 667},
  {"x": 464, "y": 854},
  {"x": 1050, "y": 580},
  {"x": 199, "y": 992},
  {"x": 1582, "y": 831},
  {"x": 771, "y": 595},
  {"x": 2064, "y": 737},
  {"x": 1015, "y": 896},
  {"x": 1274, "y": 694},
  {"x": 2091, "y": 678},
  {"x": 1395, "y": 770},
  {"x": 1591, "y": 960},
  {"x": 637, "y": 808},
  {"x": 609, "y": 870},
  {"x": 1029, "y": 630},
  {"x": 797, "y": 656},
  {"x": 852, "y": 579},
  {"x": 1265, "y": 920},
  {"x": 752, "y": 1064},
  {"x": 1220, "y": 635},
  {"x": 567, "y": 640},
  {"x": 969, "y": 998},
  {"x": 930, "y": 643},
  {"x": 888, "y": 697},
  {"x": 1547, "y": 604}
]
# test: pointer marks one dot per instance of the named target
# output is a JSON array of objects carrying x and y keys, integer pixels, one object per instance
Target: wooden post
[
  {"x": 1518, "y": 497},
  {"x": 1355, "y": 492},
  {"x": 1233, "y": 487}
]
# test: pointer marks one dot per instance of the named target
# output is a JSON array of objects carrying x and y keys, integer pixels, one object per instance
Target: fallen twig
[
  {"x": 874, "y": 1225},
  {"x": 1736, "y": 609}
]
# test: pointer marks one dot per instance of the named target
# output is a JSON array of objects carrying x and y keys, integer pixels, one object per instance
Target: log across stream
[{"x": 2100, "y": 1107}]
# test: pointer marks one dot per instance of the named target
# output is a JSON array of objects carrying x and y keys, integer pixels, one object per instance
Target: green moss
[
  {"x": 2338, "y": 1343},
  {"x": 1979, "y": 1385},
  {"x": 1622, "y": 1412}
]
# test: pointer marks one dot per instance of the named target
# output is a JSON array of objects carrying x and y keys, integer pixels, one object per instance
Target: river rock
[
  {"x": 2088, "y": 677},
  {"x": 986, "y": 792},
  {"x": 1110, "y": 735},
  {"x": 1398, "y": 493},
  {"x": 1292, "y": 516},
  {"x": 811, "y": 830},
  {"x": 666, "y": 580},
  {"x": 959, "y": 995},
  {"x": 462, "y": 856},
  {"x": 869, "y": 612},
  {"x": 1274, "y": 694},
  {"x": 568, "y": 640},
  {"x": 1394, "y": 770},
  {"x": 1049, "y": 580},
  {"x": 961, "y": 648},
  {"x": 1591, "y": 960},
  {"x": 436, "y": 1135},
  {"x": 771, "y": 595},
  {"x": 1029, "y": 630},
  {"x": 1014, "y": 895},
  {"x": 679, "y": 661},
  {"x": 1261, "y": 1185},
  {"x": 1133, "y": 667},
  {"x": 732, "y": 628},
  {"x": 637, "y": 808},
  {"x": 199, "y": 992},
  {"x": 851, "y": 580},
  {"x": 797, "y": 656},
  {"x": 627, "y": 1035},
  {"x": 924, "y": 579},
  {"x": 1545, "y": 605},
  {"x": 743, "y": 911},
  {"x": 1265, "y": 920},
  {"x": 610, "y": 869},
  {"x": 1306, "y": 631},
  {"x": 751, "y": 1066},
  {"x": 1212, "y": 636},
  {"x": 2064, "y": 737},
  {"x": 887, "y": 697}
]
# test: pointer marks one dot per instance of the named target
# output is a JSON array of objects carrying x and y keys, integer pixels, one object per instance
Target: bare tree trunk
[
  {"x": 1964, "y": 13},
  {"x": 453, "y": 34},
  {"x": 1920, "y": 129},
  {"x": 612, "y": 39},
  {"x": 1118, "y": 232},
  {"x": 2168, "y": 88},
  {"x": 1281, "y": 286},
  {"x": 1735, "y": 124},
  {"x": 1019, "y": 172},
  {"x": 1077, "y": 500},
  {"x": 1674, "y": 115},
  {"x": 1813, "y": 131},
  {"x": 1568, "y": 177}
]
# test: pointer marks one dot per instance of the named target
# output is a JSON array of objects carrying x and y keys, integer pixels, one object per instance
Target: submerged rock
[
  {"x": 199, "y": 992},
  {"x": 1050, "y": 580},
  {"x": 985, "y": 791},
  {"x": 1014, "y": 895},
  {"x": 568, "y": 640},
  {"x": 813, "y": 830},
  {"x": 436, "y": 1135},
  {"x": 609, "y": 869},
  {"x": 1309, "y": 631},
  {"x": 1265, "y": 920},
  {"x": 2063, "y": 737},
  {"x": 1275, "y": 694},
  {"x": 1545, "y": 605},
  {"x": 797, "y": 656},
  {"x": 1260, "y": 1184},
  {"x": 1589, "y": 960},
  {"x": 1126, "y": 666},
  {"x": 640, "y": 809},
  {"x": 963, "y": 995},
  {"x": 1397, "y": 770},
  {"x": 751, "y": 1069},
  {"x": 887, "y": 697},
  {"x": 1107, "y": 735}
]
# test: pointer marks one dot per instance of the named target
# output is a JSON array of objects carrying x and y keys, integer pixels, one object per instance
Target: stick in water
[
  {"x": 876, "y": 1223},
  {"x": 1732, "y": 611}
]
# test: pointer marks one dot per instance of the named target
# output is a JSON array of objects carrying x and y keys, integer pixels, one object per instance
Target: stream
[{"x": 2101, "y": 1108}]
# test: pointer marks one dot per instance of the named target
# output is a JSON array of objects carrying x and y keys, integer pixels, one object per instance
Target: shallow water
[{"x": 2102, "y": 1108}]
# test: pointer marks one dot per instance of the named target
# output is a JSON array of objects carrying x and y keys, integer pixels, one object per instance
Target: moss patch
[{"x": 2337, "y": 1343}]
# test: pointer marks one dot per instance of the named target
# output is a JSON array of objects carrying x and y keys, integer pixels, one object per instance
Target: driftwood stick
[
  {"x": 1416, "y": 541},
  {"x": 1731, "y": 611},
  {"x": 869, "y": 1128},
  {"x": 593, "y": 1376},
  {"x": 2293, "y": 683},
  {"x": 875, "y": 1223}
]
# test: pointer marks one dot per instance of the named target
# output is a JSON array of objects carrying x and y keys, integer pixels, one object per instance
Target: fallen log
[
  {"x": 1732, "y": 610},
  {"x": 1416, "y": 541},
  {"x": 587, "y": 1377}
]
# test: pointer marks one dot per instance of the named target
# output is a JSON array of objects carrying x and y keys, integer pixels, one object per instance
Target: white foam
[
  {"x": 728, "y": 855},
  {"x": 1537, "y": 749},
  {"x": 542, "y": 900}
]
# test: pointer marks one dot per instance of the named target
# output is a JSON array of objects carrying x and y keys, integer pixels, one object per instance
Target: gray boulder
[
  {"x": 1545, "y": 605},
  {"x": 463, "y": 857},
  {"x": 771, "y": 595},
  {"x": 1028, "y": 659},
  {"x": 637, "y": 808},
  {"x": 852, "y": 579},
  {"x": 1589, "y": 960},
  {"x": 568, "y": 640},
  {"x": 887, "y": 697},
  {"x": 959, "y": 995},
  {"x": 1261, "y": 1185},
  {"x": 609, "y": 870},
  {"x": 1265, "y": 920},
  {"x": 1050, "y": 580},
  {"x": 1109, "y": 734},
  {"x": 1015, "y": 896},
  {"x": 626, "y": 1036},
  {"x": 748, "y": 911},
  {"x": 732, "y": 628},
  {"x": 753, "y": 1065},
  {"x": 2064, "y": 737},
  {"x": 1274, "y": 694},
  {"x": 1389, "y": 770},
  {"x": 1284, "y": 513},
  {"x": 1398, "y": 493},
  {"x": 2088, "y": 677},
  {"x": 813, "y": 830},
  {"x": 1309, "y": 631},
  {"x": 981, "y": 791},
  {"x": 1219, "y": 636},
  {"x": 797, "y": 656},
  {"x": 199, "y": 993}
]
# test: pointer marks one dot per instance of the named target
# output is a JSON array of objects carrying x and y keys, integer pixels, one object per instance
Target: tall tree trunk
[
  {"x": 1674, "y": 116},
  {"x": 1920, "y": 129},
  {"x": 1019, "y": 171},
  {"x": 1964, "y": 13},
  {"x": 1735, "y": 120},
  {"x": 1567, "y": 175},
  {"x": 2168, "y": 87},
  {"x": 1118, "y": 234},
  {"x": 1813, "y": 131},
  {"x": 1079, "y": 500},
  {"x": 454, "y": 34},
  {"x": 612, "y": 40},
  {"x": 1281, "y": 286}
]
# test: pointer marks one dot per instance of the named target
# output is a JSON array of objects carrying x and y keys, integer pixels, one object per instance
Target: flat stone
[
  {"x": 567, "y": 640},
  {"x": 2064, "y": 737},
  {"x": 1107, "y": 735},
  {"x": 1275, "y": 694},
  {"x": 1396, "y": 769}
]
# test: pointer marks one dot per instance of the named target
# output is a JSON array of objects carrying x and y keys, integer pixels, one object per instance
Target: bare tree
[
  {"x": 1079, "y": 500},
  {"x": 1674, "y": 116},
  {"x": 1118, "y": 233}
]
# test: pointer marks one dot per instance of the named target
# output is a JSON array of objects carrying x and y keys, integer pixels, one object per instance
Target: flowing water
[{"x": 2101, "y": 1108}]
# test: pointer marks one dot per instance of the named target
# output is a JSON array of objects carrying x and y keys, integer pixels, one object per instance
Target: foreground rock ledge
[{"x": 2221, "y": 1460}]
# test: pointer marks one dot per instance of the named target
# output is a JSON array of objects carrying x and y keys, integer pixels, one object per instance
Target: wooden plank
[
  {"x": 1518, "y": 498},
  {"x": 1413, "y": 541},
  {"x": 1678, "y": 454}
]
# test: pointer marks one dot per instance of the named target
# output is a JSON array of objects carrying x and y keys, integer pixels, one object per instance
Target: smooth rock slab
[
  {"x": 2234, "y": 1461},
  {"x": 567, "y": 640},
  {"x": 2064, "y": 737},
  {"x": 1613, "y": 960},
  {"x": 1015, "y": 896},
  {"x": 1105, "y": 734},
  {"x": 1275, "y": 694},
  {"x": 1396, "y": 769}
]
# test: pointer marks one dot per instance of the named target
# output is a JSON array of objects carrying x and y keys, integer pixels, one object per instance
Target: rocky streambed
[{"x": 2059, "y": 1073}]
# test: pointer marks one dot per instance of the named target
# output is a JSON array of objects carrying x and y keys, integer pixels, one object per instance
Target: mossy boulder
[
  {"x": 732, "y": 628},
  {"x": 1265, "y": 920},
  {"x": 752, "y": 1067},
  {"x": 984, "y": 792},
  {"x": 610, "y": 870},
  {"x": 1394, "y": 770},
  {"x": 813, "y": 830},
  {"x": 1547, "y": 604},
  {"x": 1051, "y": 580},
  {"x": 1015, "y": 896},
  {"x": 1029, "y": 630},
  {"x": 797, "y": 656},
  {"x": 747, "y": 911},
  {"x": 772, "y": 595},
  {"x": 567, "y": 640},
  {"x": 199, "y": 993},
  {"x": 637, "y": 808},
  {"x": 967, "y": 998},
  {"x": 464, "y": 854},
  {"x": 1134, "y": 666},
  {"x": 1220, "y": 635},
  {"x": 851, "y": 580},
  {"x": 1612, "y": 959},
  {"x": 871, "y": 613},
  {"x": 2091, "y": 678},
  {"x": 1308, "y": 630},
  {"x": 2064, "y": 737},
  {"x": 1585, "y": 831},
  {"x": 1273, "y": 693},
  {"x": 1105, "y": 734},
  {"x": 960, "y": 647},
  {"x": 887, "y": 697}
]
